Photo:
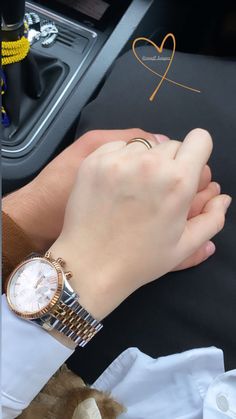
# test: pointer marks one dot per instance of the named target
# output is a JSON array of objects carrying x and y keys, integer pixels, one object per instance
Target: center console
[{"x": 73, "y": 43}]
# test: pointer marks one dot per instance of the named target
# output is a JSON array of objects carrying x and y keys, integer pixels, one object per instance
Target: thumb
[{"x": 206, "y": 225}]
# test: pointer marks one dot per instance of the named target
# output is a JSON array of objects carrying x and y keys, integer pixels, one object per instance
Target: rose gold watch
[{"x": 38, "y": 291}]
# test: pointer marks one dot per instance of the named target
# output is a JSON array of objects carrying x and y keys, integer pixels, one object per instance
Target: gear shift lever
[
  {"x": 26, "y": 80},
  {"x": 13, "y": 14},
  {"x": 13, "y": 29}
]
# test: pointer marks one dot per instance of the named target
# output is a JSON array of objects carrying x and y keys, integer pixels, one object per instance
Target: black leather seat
[{"x": 195, "y": 307}]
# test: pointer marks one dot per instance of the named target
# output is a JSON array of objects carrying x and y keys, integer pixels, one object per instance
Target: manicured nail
[
  {"x": 210, "y": 248},
  {"x": 227, "y": 202},
  {"x": 161, "y": 138}
]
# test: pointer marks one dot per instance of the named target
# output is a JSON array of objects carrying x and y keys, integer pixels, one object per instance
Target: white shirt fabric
[
  {"x": 189, "y": 385},
  {"x": 30, "y": 356}
]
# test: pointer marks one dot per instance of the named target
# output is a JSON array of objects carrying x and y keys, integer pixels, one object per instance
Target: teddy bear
[{"x": 66, "y": 396}]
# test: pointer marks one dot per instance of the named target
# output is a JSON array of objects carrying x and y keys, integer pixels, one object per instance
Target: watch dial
[{"x": 33, "y": 286}]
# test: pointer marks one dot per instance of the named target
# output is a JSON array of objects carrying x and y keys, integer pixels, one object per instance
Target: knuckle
[
  {"x": 147, "y": 164},
  {"x": 110, "y": 167},
  {"x": 183, "y": 178},
  {"x": 179, "y": 186},
  {"x": 178, "y": 179},
  {"x": 102, "y": 170}
]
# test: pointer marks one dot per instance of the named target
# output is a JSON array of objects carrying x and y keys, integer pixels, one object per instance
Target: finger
[
  {"x": 195, "y": 152},
  {"x": 161, "y": 138},
  {"x": 92, "y": 140},
  {"x": 153, "y": 139},
  {"x": 167, "y": 148},
  {"x": 137, "y": 145},
  {"x": 99, "y": 139},
  {"x": 202, "y": 197},
  {"x": 206, "y": 225},
  {"x": 203, "y": 253},
  {"x": 205, "y": 178},
  {"x": 171, "y": 150}
]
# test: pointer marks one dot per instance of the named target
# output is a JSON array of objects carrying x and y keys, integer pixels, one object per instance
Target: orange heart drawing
[{"x": 160, "y": 49}]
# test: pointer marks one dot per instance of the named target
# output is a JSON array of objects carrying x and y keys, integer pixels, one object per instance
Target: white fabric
[
  {"x": 188, "y": 385},
  {"x": 30, "y": 356}
]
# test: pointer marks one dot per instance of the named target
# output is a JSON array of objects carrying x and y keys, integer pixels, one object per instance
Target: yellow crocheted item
[{"x": 14, "y": 51}]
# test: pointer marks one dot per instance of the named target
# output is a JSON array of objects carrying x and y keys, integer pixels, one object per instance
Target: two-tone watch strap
[
  {"x": 68, "y": 317},
  {"x": 74, "y": 321}
]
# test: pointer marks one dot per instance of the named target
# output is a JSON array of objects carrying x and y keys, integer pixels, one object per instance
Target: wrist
[
  {"x": 96, "y": 290},
  {"x": 23, "y": 207}
]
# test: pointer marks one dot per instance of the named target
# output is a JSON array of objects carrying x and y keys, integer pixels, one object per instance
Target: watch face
[{"x": 32, "y": 286}]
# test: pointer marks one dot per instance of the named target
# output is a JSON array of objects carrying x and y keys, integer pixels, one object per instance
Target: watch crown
[
  {"x": 47, "y": 255},
  {"x": 60, "y": 261},
  {"x": 68, "y": 274}
]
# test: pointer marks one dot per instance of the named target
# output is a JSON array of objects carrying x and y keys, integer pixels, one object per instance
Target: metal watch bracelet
[{"x": 68, "y": 317}]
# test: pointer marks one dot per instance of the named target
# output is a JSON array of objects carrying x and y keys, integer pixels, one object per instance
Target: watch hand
[{"x": 39, "y": 281}]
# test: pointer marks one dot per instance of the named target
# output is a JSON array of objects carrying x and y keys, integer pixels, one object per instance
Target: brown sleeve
[{"x": 15, "y": 246}]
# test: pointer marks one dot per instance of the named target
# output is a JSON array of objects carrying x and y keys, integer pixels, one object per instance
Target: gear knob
[{"x": 13, "y": 12}]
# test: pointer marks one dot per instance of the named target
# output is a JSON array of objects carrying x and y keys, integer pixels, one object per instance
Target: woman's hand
[
  {"x": 126, "y": 221},
  {"x": 39, "y": 207}
]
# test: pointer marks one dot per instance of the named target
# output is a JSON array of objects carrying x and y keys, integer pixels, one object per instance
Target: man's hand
[{"x": 39, "y": 206}]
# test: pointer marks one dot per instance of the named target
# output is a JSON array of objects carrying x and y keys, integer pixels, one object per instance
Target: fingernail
[
  {"x": 227, "y": 202},
  {"x": 210, "y": 248},
  {"x": 218, "y": 188},
  {"x": 161, "y": 138}
]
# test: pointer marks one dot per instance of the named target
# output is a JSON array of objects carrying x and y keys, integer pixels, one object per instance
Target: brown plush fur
[{"x": 61, "y": 395}]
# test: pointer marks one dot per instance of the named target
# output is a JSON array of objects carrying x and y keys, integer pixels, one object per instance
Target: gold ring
[{"x": 140, "y": 140}]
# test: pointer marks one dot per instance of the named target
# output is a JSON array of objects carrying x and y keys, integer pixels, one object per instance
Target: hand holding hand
[
  {"x": 126, "y": 221},
  {"x": 39, "y": 207}
]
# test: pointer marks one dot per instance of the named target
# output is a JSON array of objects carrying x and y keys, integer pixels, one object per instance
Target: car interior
[
  {"x": 80, "y": 74},
  {"x": 74, "y": 43}
]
